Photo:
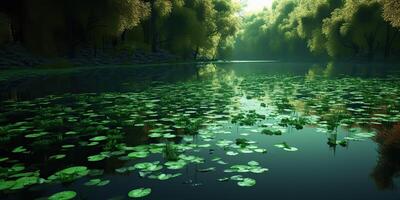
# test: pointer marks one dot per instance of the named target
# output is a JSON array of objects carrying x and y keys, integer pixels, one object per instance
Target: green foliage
[
  {"x": 188, "y": 28},
  {"x": 339, "y": 29},
  {"x": 242, "y": 142},
  {"x": 63, "y": 26},
  {"x": 391, "y": 12},
  {"x": 271, "y": 132},
  {"x": 170, "y": 152}
]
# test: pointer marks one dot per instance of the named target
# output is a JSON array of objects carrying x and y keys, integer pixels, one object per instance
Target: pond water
[{"x": 206, "y": 131}]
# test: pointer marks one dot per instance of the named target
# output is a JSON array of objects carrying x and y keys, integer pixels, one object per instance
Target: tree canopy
[
  {"x": 189, "y": 28},
  {"x": 321, "y": 29},
  {"x": 207, "y": 29},
  {"x": 391, "y": 12}
]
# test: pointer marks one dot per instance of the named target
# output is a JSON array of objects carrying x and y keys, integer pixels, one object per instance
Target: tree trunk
[
  {"x": 153, "y": 27},
  {"x": 123, "y": 36},
  {"x": 387, "y": 45},
  {"x": 390, "y": 40},
  {"x": 196, "y": 53}
]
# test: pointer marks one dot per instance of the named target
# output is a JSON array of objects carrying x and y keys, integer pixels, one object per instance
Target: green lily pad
[
  {"x": 92, "y": 182},
  {"x": 4, "y": 185},
  {"x": 65, "y": 195},
  {"x": 97, "y": 182},
  {"x": 19, "y": 149},
  {"x": 70, "y": 174},
  {"x": 291, "y": 149},
  {"x": 169, "y": 135},
  {"x": 286, "y": 147},
  {"x": 35, "y": 135},
  {"x": 365, "y": 135},
  {"x": 223, "y": 179},
  {"x": 140, "y": 192},
  {"x": 68, "y": 146},
  {"x": 155, "y": 135},
  {"x": 3, "y": 159},
  {"x": 210, "y": 169},
  {"x": 247, "y": 182},
  {"x": 231, "y": 153},
  {"x": 253, "y": 163},
  {"x": 260, "y": 150},
  {"x": 98, "y": 138},
  {"x": 175, "y": 164},
  {"x": 57, "y": 157},
  {"x": 95, "y": 158},
  {"x": 140, "y": 154}
]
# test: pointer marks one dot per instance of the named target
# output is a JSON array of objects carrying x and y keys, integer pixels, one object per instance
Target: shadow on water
[{"x": 388, "y": 164}]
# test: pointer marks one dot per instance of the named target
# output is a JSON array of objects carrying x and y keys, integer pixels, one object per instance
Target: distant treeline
[
  {"x": 323, "y": 29},
  {"x": 206, "y": 29},
  {"x": 187, "y": 28}
]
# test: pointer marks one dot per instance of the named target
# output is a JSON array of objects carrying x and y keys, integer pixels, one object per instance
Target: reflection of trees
[{"x": 388, "y": 165}]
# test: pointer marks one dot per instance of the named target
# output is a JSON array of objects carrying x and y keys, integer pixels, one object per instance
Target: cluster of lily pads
[{"x": 179, "y": 120}]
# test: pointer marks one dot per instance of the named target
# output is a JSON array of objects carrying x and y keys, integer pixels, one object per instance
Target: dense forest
[
  {"x": 188, "y": 28},
  {"x": 338, "y": 29},
  {"x": 206, "y": 29}
]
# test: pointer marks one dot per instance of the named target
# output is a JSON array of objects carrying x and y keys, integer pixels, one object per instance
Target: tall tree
[{"x": 391, "y": 12}]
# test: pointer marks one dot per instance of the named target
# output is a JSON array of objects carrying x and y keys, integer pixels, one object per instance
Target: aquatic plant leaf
[
  {"x": 175, "y": 164},
  {"x": 3, "y": 159},
  {"x": 223, "y": 179},
  {"x": 143, "y": 165},
  {"x": 68, "y": 146},
  {"x": 253, "y": 163},
  {"x": 35, "y": 135},
  {"x": 140, "y": 192},
  {"x": 155, "y": 135},
  {"x": 140, "y": 154},
  {"x": 92, "y": 182},
  {"x": 236, "y": 177},
  {"x": 169, "y": 135},
  {"x": 365, "y": 135},
  {"x": 57, "y": 157},
  {"x": 258, "y": 170},
  {"x": 103, "y": 183},
  {"x": 19, "y": 149},
  {"x": 231, "y": 153},
  {"x": 98, "y": 138},
  {"x": 95, "y": 158},
  {"x": 6, "y": 184},
  {"x": 291, "y": 149},
  {"x": 210, "y": 169},
  {"x": 260, "y": 150},
  {"x": 247, "y": 182},
  {"x": 65, "y": 195},
  {"x": 70, "y": 173}
]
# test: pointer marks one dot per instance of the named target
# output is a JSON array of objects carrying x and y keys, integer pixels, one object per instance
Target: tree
[
  {"x": 62, "y": 26},
  {"x": 5, "y": 33},
  {"x": 357, "y": 29},
  {"x": 310, "y": 16},
  {"x": 391, "y": 12}
]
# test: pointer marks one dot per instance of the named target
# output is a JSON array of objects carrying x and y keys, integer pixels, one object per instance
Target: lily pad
[
  {"x": 140, "y": 154},
  {"x": 140, "y": 192},
  {"x": 231, "y": 153},
  {"x": 247, "y": 182},
  {"x": 65, "y": 195},
  {"x": 95, "y": 158},
  {"x": 98, "y": 138}
]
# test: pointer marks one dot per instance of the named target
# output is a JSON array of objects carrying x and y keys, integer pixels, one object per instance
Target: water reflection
[
  {"x": 388, "y": 165},
  {"x": 160, "y": 114}
]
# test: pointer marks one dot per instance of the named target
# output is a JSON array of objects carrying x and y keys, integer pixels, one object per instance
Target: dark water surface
[{"x": 215, "y": 131}]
